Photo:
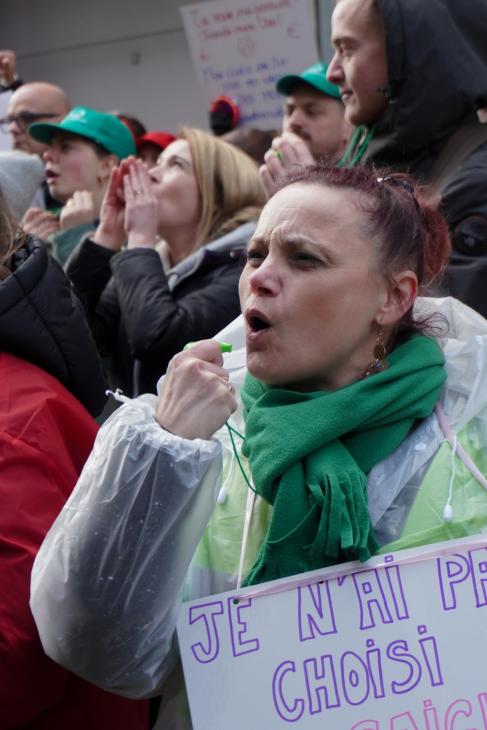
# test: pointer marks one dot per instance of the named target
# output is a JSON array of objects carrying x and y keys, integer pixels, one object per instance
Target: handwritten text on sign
[
  {"x": 241, "y": 48},
  {"x": 399, "y": 644}
]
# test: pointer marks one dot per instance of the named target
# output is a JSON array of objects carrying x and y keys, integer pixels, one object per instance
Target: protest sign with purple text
[
  {"x": 240, "y": 48},
  {"x": 399, "y": 643}
]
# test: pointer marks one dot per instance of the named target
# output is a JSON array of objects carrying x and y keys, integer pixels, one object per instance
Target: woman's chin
[
  {"x": 55, "y": 191},
  {"x": 259, "y": 367}
]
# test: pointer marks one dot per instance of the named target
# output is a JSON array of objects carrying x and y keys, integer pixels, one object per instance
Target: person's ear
[
  {"x": 105, "y": 167},
  {"x": 399, "y": 296}
]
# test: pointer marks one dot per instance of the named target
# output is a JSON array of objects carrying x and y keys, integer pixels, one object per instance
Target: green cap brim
[
  {"x": 44, "y": 132},
  {"x": 286, "y": 84}
]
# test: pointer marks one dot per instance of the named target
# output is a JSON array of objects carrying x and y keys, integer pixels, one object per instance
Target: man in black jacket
[{"x": 413, "y": 74}]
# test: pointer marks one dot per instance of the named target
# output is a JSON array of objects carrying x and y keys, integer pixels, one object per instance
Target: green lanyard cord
[
  {"x": 359, "y": 134},
  {"x": 232, "y": 431},
  {"x": 351, "y": 146}
]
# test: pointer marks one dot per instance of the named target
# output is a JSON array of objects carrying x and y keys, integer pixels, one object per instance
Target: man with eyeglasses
[
  {"x": 38, "y": 101},
  {"x": 34, "y": 102}
]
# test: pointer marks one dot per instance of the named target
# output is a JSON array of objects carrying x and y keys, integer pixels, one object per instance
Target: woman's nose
[
  {"x": 155, "y": 173},
  {"x": 48, "y": 155},
  {"x": 266, "y": 280}
]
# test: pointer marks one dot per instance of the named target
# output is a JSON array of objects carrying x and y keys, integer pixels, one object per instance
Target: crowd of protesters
[{"x": 354, "y": 242}]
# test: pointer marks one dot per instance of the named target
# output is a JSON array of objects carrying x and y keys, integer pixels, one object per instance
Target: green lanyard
[
  {"x": 226, "y": 347},
  {"x": 359, "y": 142},
  {"x": 232, "y": 431}
]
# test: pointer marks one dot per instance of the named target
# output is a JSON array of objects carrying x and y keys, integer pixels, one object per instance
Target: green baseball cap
[
  {"x": 315, "y": 76},
  {"x": 104, "y": 129}
]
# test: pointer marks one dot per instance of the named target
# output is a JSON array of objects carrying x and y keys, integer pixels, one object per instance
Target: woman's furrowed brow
[
  {"x": 290, "y": 240},
  {"x": 257, "y": 241},
  {"x": 298, "y": 239}
]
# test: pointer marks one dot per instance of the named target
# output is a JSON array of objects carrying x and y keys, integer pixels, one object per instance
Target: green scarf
[{"x": 309, "y": 454}]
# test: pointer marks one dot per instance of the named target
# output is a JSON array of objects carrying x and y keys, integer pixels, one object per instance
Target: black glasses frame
[{"x": 24, "y": 119}]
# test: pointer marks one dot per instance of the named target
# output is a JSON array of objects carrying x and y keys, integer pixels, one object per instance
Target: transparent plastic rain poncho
[{"x": 133, "y": 540}]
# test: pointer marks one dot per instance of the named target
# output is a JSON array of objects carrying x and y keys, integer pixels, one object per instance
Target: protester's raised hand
[
  {"x": 110, "y": 232},
  {"x": 8, "y": 67},
  {"x": 196, "y": 396},
  {"x": 141, "y": 207},
  {"x": 40, "y": 223},
  {"x": 78, "y": 210},
  {"x": 287, "y": 152}
]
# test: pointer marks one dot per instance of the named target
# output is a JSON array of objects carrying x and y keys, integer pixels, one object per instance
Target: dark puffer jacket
[
  {"x": 141, "y": 317},
  {"x": 46, "y": 435},
  {"x": 41, "y": 321},
  {"x": 437, "y": 59}
]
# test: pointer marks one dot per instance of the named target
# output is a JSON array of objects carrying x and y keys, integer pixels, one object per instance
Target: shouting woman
[
  {"x": 202, "y": 200},
  {"x": 341, "y": 375}
]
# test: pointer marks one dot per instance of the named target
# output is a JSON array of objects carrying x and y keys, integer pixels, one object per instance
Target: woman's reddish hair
[{"x": 399, "y": 217}]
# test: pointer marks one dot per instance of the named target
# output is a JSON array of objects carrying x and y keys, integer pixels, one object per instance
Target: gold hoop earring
[{"x": 379, "y": 363}]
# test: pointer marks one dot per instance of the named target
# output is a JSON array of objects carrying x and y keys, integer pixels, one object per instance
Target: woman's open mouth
[
  {"x": 257, "y": 323},
  {"x": 51, "y": 176}
]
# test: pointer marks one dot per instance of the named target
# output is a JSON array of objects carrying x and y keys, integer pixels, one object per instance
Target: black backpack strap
[{"x": 459, "y": 146}]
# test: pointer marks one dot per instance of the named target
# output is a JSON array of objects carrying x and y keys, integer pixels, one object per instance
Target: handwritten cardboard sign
[
  {"x": 397, "y": 644},
  {"x": 240, "y": 48}
]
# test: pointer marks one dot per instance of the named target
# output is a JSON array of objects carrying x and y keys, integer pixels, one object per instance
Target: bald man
[
  {"x": 37, "y": 101},
  {"x": 34, "y": 102}
]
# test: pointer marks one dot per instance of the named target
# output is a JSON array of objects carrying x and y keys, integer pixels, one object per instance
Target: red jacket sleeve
[{"x": 45, "y": 435}]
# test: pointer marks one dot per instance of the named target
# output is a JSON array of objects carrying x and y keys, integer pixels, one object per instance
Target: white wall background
[{"x": 129, "y": 55}]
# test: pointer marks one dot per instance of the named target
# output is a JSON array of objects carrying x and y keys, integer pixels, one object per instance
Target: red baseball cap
[
  {"x": 160, "y": 139},
  {"x": 226, "y": 105}
]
